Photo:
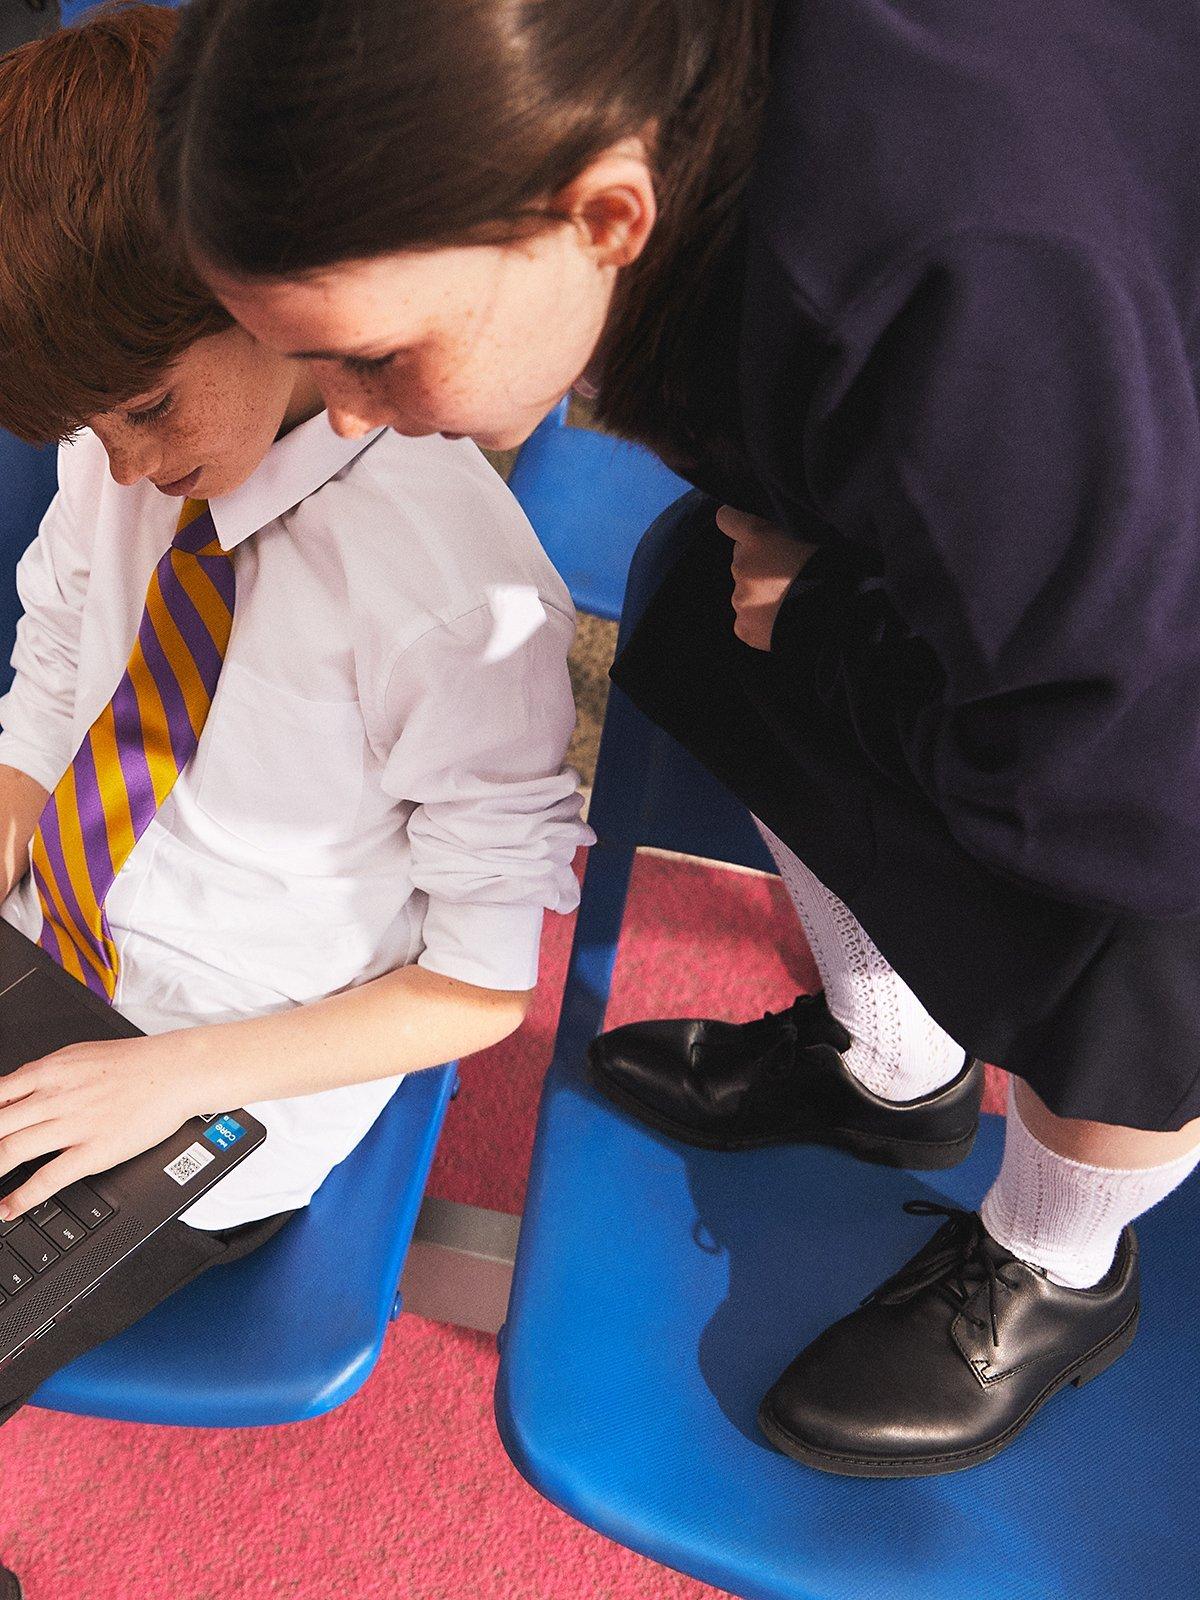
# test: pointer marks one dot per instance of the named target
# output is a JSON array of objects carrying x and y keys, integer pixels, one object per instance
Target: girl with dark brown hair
[{"x": 907, "y": 290}]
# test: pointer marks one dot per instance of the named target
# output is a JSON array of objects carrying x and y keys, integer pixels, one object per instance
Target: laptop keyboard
[{"x": 35, "y": 1241}]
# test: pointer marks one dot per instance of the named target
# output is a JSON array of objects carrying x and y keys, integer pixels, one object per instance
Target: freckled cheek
[
  {"x": 240, "y": 433},
  {"x": 419, "y": 394},
  {"x": 469, "y": 384}
]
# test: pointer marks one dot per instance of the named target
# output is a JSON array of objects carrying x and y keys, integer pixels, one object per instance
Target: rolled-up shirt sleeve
[
  {"x": 483, "y": 710},
  {"x": 1009, "y": 428},
  {"x": 36, "y": 715}
]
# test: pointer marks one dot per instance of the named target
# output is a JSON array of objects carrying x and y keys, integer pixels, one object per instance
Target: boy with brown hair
[{"x": 280, "y": 769}]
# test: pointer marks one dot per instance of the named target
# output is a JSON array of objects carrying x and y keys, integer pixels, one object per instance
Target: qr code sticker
[{"x": 185, "y": 1167}]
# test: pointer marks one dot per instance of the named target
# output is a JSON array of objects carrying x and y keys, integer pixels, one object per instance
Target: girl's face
[
  {"x": 478, "y": 341},
  {"x": 204, "y": 429},
  {"x": 475, "y": 340}
]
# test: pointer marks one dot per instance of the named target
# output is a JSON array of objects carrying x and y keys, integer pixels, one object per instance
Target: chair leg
[{"x": 10, "y": 1585}]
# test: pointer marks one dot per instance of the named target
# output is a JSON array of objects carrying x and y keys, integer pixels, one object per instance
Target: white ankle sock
[
  {"x": 1064, "y": 1215},
  {"x": 899, "y": 1051}
]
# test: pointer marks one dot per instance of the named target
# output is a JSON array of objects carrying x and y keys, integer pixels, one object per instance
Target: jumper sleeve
[
  {"x": 52, "y": 579},
  {"x": 484, "y": 711},
  {"x": 1006, "y": 437}
]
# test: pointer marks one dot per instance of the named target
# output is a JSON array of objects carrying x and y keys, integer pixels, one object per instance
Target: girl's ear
[{"x": 612, "y": 203}]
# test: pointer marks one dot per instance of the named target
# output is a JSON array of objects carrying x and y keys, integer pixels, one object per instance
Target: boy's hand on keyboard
[{"x": 97, "y": 1104}]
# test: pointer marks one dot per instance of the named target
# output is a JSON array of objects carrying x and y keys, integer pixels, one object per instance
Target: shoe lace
[
  {"x": 770, "y": 1041},
  {"x": 778, "y": 1033},
  {"x": 955, "y": 1270}
]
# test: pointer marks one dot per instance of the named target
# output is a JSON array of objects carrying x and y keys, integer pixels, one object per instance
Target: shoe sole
[
  {"x": 1083, "y": 1371},
  {"x": 912, "y": 1154}
]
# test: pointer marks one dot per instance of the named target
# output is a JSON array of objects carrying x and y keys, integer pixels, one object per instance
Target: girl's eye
[
  {"x": 368, "y": 364},
  {"x": 153, "y": 413}
]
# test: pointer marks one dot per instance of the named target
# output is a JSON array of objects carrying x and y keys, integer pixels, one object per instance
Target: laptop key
[
  {"x": 14, "y": 1274},
  {"x": 64, "y": 1230},
  {"x": 32, "y": 1247},
  {"x": 43, "y": 1213},
  {"x": 85, "y": 1204}
]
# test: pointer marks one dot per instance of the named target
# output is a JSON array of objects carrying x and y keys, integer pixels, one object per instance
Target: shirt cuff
[
  {"x": 494, "y": 947},
  {"x": 27, "y": 758}
]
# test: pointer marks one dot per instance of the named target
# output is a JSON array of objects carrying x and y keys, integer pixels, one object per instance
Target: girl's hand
[
  {"x": 98, "y": 1104},
  {"x": 766, "y": 562}
]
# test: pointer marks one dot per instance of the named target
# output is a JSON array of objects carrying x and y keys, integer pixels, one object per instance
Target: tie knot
[
  {"x": 191, "y": 510},
  {"x": 195, "y": 532}
]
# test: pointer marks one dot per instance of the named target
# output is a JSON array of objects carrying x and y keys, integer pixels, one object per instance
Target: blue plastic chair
[
  {"x": 294, "y": 1329},
  {"x": 660, "y": 1290},
  {"x": 590, "y": 498},
  {"x": 28, "y": 479}
]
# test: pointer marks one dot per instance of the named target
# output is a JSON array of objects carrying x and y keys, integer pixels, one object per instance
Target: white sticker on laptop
[{"x": 185, "y": 1167}]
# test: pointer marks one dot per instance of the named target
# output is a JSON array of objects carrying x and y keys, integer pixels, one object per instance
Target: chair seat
[
  {"x": 294, "y": 1329},
  {"x": 590, "y": 498},
  {"x": 660, "y": 1290}
]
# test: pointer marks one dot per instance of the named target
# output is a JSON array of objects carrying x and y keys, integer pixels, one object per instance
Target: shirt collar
[{"x": 294, "y": 467}]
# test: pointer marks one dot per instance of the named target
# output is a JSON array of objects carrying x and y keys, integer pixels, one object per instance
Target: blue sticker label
[{"x": 224, "y": 1132}]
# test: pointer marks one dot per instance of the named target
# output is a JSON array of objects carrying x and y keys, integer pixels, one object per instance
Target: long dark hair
[{"x": 297, "y": 134}]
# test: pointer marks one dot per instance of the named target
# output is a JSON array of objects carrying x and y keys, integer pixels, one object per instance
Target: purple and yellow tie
[{"x": 135, "y": 750}]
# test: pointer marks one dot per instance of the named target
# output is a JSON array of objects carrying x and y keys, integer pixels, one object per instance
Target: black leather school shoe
[
  {"x": 782, "y": 1080},
  {"x": 946, "y": 1362}
]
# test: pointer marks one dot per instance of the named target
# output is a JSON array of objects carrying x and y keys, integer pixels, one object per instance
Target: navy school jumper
[{"x": 957, "y": 340}]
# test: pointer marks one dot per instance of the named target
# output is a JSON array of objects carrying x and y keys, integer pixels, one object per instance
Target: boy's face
[{"x": 205, "y": 428}]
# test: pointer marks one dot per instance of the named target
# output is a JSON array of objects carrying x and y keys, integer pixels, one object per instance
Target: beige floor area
[{"x": 590, "y": 660}]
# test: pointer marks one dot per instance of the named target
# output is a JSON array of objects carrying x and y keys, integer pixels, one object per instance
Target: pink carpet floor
[{"x": 404, "y": 1493}]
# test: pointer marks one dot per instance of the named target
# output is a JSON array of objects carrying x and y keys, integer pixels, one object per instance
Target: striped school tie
[{"x": 135, "y": 750}]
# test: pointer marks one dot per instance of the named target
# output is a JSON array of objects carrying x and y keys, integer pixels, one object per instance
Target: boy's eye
[{"x": 152, "y": 413}]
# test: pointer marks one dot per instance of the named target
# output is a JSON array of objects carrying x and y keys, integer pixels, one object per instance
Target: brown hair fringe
[{"x": 96, "y": 301}]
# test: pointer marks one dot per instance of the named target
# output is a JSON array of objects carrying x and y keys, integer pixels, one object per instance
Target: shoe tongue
[
  {"x": 999, "y": 1253},
  {"x": 816, "y": 1024},
  {"x": 803, "y": 1024}
]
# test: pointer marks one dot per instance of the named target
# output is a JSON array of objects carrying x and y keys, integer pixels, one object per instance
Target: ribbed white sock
[
  {"x": 899, "y": 1051},
  {"x": 1066, "y": 1216}
]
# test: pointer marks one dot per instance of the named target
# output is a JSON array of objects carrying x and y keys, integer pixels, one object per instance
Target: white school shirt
[{"x": 379, "y": 781}]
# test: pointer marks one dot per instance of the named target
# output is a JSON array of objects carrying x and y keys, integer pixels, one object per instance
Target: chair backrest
[
  {"x": 28, "y": 479},
  {"x": 590, "y": 498},
  {"x": 648, "y": 792}
]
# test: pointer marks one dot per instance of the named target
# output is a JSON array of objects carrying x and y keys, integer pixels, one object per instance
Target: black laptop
[{"x": 57, "y": 1252}]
